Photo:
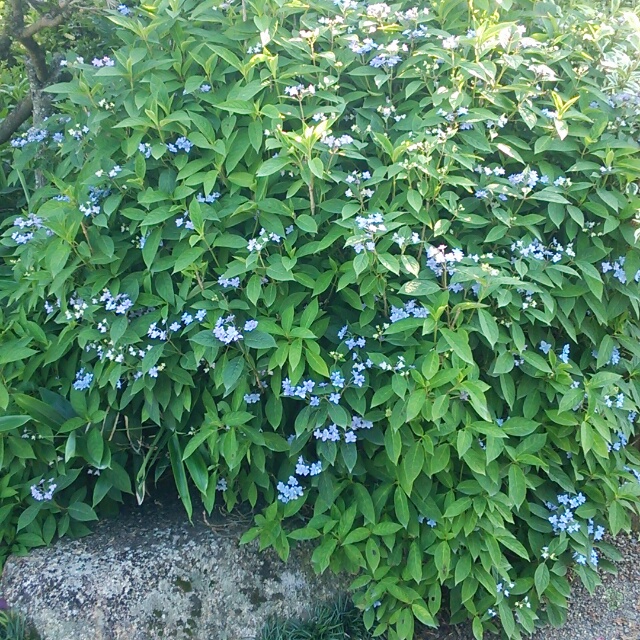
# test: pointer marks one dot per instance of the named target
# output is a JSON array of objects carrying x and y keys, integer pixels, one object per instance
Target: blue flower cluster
[
  {"x": 145, "y": 149},
  {"x": 293, "y": 490},
  {"x": 545, "y": 347},
  {"x": 28, "y": 225},
  {"x": 226, "y": 331},
  {"x": 428, "y": 521},
  {"x": 185, "y": 220},
  {"x": 332, "y": 434},
  {"x": 410, "y": 309},
  {"x": 33, "y": 134},
  {"x": 304, "y": 469},
  {"x": 299, "y": 391},
  {"x": 181, "y": 143},
  {"x": 582, "y": 559},
  {"x": 353, "y": 343},
  {"x": 565, "y": 521},
  {"x": 210, "y": 199},
  {"x": 290, "y": 491},
  {"x": 385, "y": 60},
  {"x": 83, "y": 380},
  {"x": 119, "y": 304},
  {"x": 186, "y": 319},
  {"x": 619, "y": 400},
  {"x": 229, "y": 283},
  {"x": 105, "y": 61},
  {"x": 614, "y": 359},
  {"x": 618, "y": 270},
  {"x": 39, "y": 493},
  {"x": 538, "y": 251},
  {"x": 259, "y": 243},
  {"x": 371, "y": 224},
  {"x": 439, "y": 259},
  {"x": 96, "y": 196}
]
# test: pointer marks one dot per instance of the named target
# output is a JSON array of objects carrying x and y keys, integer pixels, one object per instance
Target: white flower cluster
[
  {"x": 79, "y": 306},
  {"x": 259, "y": 243},
  {"x": 39, "y": 493},
  {"x": 336, "y": 143},
  {"x": 300, "y": 91}
]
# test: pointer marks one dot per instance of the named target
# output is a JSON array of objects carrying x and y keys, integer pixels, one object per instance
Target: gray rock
[{"x": 151, "y": 575}]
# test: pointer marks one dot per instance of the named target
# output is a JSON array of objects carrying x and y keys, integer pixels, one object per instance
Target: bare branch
[
  {"x": 19, "y": 114},
  {"x": 45, "y": 22},
  {"x": 40, "y": 75},
  {"x": 37, "y": 56}
]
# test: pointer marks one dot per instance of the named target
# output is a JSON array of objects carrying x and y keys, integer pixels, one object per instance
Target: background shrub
[{"x": 371, "y": 268}]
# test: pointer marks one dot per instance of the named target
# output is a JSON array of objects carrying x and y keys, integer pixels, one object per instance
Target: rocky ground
[{"x": 89, "y": 566}]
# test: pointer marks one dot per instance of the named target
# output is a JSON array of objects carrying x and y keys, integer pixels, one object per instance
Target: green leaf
[
  {"x": 273, "y": 165},
  {"x": 414, "y": 561},
  {"x": 618, "y": 518},
  {"x": 29, "y": 515},
  {"x": 457, "y": 507},
  {"x": 198, "y": 471},
  {"x": 401, "y": 505},
  {"x": 322, "y": 554},
  {"x": 254, "y": 288},
  {"x": 386, "y": 528},
  {"x": 489, "y": 326},
  {"x": 357, "y": 535},
  {"x": 95, "y": 446},
  {"x": 476, "y": 626},
  {"x": 364, "y": 502},
  {"x": 259, "y": 340},
  {"x": 15, "y": 350},
  {"x": 8, "y": 423},
  {"x": 237, "y": 106},
  {"x": 536, "y": 361},
  {"x": 504, "y": 363},
  {"x": 423, "y": 615},
  {"x": 517, "y": 485},
  {"x": 305, "y": 533},
  {"x": 420, "y": 288},
  {"x": 541, "y": 579},
  {"x": 463, "y": 568},
  {"x": 232, "y": 372},
  {"x": 459, "y": 343},
  {"x": 412, "y": 463},
  {"x": 187, "y": 258},
  {"x": 393, "y": 445},
  {"x": 307, "y": 223},
  {"x": 442, "y": 557},
  {"x": 372, "y": 553},
  {"x": 549, "y": 194},
  {"x": 316, "y": 363},
  {"x": 82, "y": 512},
  {"x": 179, "y": 475},
  {"x": 316, "y": 167}
]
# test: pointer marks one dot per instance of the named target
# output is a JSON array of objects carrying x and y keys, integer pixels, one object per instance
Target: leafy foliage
[
  {"x": 371, "y": 268},
  {"x": 14, "y": 627},
  {"x": 335, "y": 621}
]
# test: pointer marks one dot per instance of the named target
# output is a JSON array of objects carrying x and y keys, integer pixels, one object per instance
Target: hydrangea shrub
[{"x": 371, "y": 269}]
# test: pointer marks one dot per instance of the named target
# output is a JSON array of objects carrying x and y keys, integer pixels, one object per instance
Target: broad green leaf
[{"x": 459, "y": 343}]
